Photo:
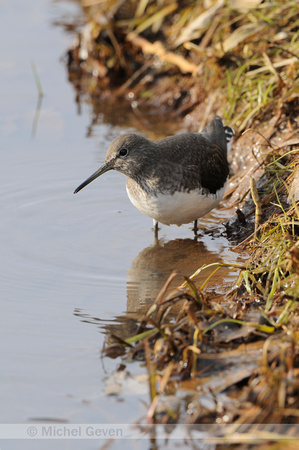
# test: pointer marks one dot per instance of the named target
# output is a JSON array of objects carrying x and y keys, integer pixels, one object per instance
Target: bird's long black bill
[{"x": 105, "y": 168}]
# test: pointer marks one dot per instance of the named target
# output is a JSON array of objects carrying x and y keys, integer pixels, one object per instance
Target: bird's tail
[
  {"x": 214, "y": 133},
  {"x": 229, "y": 134}
]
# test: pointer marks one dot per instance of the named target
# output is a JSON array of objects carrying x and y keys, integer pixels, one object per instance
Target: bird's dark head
[{"x": 126, "y": 154}]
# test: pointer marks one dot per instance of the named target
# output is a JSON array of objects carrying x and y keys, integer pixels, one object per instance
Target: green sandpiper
[{"x": 174, "y": 180}]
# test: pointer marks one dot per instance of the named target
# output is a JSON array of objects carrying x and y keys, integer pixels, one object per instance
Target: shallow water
[{"x": 69, "y": 263}]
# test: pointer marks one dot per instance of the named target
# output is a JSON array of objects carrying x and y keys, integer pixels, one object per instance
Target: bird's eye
[{"x": 123, "y": 152}]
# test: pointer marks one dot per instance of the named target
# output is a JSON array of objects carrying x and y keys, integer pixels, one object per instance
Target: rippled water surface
[{"x": 70, "y": 263}]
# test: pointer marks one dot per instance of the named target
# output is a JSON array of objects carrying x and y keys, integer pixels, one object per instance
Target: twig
[
  {"x": 37, "y": 79},
  {"x": 256, "y": 200},
  {"x": 39, "y": 99},
  {"x": 159, "y": 50}
]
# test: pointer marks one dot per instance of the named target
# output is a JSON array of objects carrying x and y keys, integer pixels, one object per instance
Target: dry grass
[
  {"x": 238, "y": 356},
  {"x": 246, "y": 55}
]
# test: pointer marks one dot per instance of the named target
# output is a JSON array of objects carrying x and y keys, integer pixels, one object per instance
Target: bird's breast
[{"x": 177, "y": 207}]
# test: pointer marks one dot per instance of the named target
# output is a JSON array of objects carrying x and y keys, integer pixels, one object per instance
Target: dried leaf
[
  {"x": 202, "y": 21},
  {"x": 244, "y": 5},
  {"x": 240, "y": 34}
]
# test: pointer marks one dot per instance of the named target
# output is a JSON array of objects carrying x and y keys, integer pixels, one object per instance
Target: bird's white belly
[{"x": 178, "y": 208}]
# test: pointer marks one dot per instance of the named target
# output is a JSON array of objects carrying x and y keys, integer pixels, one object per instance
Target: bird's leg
[
  {"x": 156, "y": 228},
  {"x": 195, "y": 228}
]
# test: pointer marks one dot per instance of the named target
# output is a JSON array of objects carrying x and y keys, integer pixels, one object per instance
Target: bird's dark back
[{"x": 202, "y": 162}]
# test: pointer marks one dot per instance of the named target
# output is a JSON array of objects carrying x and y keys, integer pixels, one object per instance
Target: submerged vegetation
[{"x": 236, "y": 357}]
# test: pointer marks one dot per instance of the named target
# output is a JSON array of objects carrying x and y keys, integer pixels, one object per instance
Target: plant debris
[
  {"x": 240, "y": 59},
  {"x": 235, "y": 359},
  {"x": 230, "y": 359}
]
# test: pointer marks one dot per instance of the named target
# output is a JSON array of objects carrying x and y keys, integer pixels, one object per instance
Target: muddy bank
[
  {"x": 225, "y": 58},
  {"x": 235, "y": 358},
  {"x": 188, "y": 62}
]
